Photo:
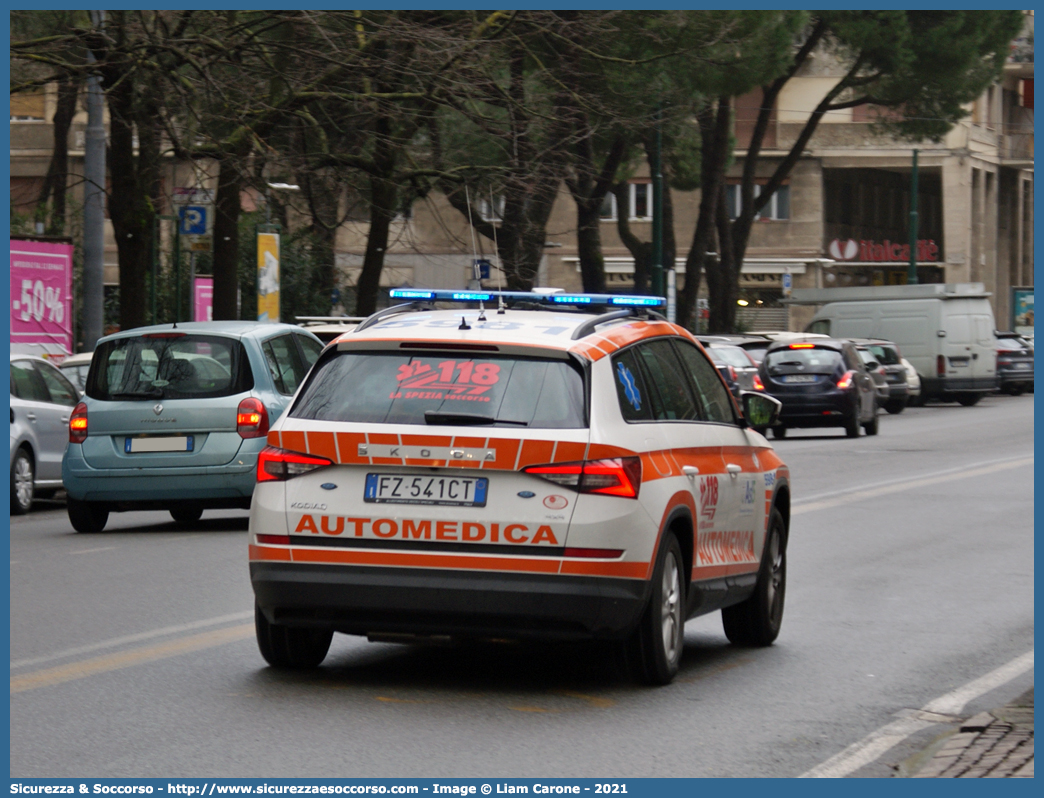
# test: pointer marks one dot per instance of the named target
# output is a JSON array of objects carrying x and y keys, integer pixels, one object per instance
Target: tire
[
  {"x": 655, "y": 646},
  {"x": 290, "y": 647},
  {"x": 852, "y": 424},
  {"x": 86, "y": 517},
  {"x": 969, "y": 399},
  {"x": 871, "y": 427},
  {"x": 186, "y": 514},
  {"x": 779, "y": 432},
  {"x": 22, "y": 476},
  {"x": 895, "y": 407},
  {"x": 1016, "y": 390},
  {"x": 757, "y": 620}
]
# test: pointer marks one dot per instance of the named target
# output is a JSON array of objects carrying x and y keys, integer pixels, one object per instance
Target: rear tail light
[
  {"x": 251, "y": 418},
  {"x": 846, "y": 381},
  {"x": 732, "y": 374},
  {"x": 78, "y": 424},
  {"x": 618, "y": 476},
  {"x": 940, "y": 365},
  {"x": 281, "y": 464},
  {"x": 758, "y": 384},
  {"x": 882, "y": 371}
]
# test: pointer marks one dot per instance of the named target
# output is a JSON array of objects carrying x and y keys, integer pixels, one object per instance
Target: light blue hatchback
[{"x": 173, "y": 417}]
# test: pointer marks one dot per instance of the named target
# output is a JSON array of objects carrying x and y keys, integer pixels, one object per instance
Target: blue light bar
[
  {"x": 410, "y": 293},
  {"x": 445, "y": 295}
]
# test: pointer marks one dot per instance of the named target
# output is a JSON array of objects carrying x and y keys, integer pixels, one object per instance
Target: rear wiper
[
  {"x": 469, "y": 419},
  {"x": 790, "y": 363},
  {"x": 154, "y": 393}
]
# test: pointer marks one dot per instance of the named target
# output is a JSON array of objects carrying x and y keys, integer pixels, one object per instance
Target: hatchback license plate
[
  {"x": 409, "y": 489},
  {"x": 164, "y": 443},
  {"x": 800, "y": 378}
]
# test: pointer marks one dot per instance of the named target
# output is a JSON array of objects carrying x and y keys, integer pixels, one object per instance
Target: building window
[
  {"x": 778, "y": 206},
  {"x": 639, "y": 201},
  {"x": 488, "y": 212}
]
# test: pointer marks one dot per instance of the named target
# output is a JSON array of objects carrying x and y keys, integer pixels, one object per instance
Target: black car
[
  {"x": 1014, "y": 364},
  {"x": 821, "y": 383}
]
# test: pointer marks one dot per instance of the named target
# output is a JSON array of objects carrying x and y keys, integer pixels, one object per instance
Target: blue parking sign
[{"x": 193, "y": 220}]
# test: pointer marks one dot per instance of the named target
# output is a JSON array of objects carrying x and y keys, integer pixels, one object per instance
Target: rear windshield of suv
[
  {"x": 169, "y": 366},
  {"x": 792, "y": 361},
  {"x": 444, "y": 389},
  {"x": 885, "y": 355}
]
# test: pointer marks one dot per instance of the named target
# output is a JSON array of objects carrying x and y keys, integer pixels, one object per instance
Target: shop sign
[
  {"x": 41, "y": 297},
  {"x": 870, "y": 251}
]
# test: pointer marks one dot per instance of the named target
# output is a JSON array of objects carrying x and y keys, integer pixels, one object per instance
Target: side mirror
[{"x": 760, "y": 410}]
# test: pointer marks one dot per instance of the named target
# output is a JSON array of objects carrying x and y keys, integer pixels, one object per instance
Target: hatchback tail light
[
  {"x": 78, "y": 424},
  {"x": 758, "y": 384},
  {"x": 251, "y": 418},
  {"x": 617, "y": 476},
  {"x": 732, "y": 374},
  {"x": 940, "y": 365},
  {"x": 846, "y": 381},
  {"x": 281, "y": 464}
]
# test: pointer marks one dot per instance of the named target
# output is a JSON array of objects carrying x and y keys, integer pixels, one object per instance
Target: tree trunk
[
  {"x": 641, "y": 251},
  {"x": 714, "y": 131},
  {"x": 57, "y": 181},
  {"x": 382, "y": 211},
  {"x": 589, "y": 247},
  {"x": 131, "y": 212},
  {"x": 723, "y": 276},
  {"x": 226, "y": 239}
]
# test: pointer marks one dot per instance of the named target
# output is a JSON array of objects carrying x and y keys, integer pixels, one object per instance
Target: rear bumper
[
  {"x": 361, "y": 600},
  {"x": 828, "y": 410},
  {"x": 229, "y": 485},
  {"x": 933, "y": 386}
]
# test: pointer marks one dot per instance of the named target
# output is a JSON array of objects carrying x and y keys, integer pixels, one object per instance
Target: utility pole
[
  {"x": 911, "y": 270},
  {"x": 94, "y": 207},
  {"x": 657, "y": 198}
]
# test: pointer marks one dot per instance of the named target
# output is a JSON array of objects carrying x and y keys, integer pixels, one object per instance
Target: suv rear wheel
[
  {"x": 756, "y": 621},
  {"x": 86, "y": 516},
  {"x": 655, "y": 647},
  {"x": 290, "y": 647}
]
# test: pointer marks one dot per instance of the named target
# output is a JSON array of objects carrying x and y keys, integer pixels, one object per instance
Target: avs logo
[
  {"x": 631, "y": 392},
  {"x": 708, "y": 497}
]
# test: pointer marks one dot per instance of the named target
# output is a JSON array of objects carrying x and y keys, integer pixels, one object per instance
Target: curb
[{"x": 994, "y": 744}]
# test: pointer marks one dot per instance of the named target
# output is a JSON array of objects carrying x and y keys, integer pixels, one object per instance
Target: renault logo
[{"x": 157, "y": 409}]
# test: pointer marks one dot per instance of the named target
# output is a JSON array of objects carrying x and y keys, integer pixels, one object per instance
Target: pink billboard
[
  {"x": 203, "y": 299},
  {"x": 41, "y": 297}
]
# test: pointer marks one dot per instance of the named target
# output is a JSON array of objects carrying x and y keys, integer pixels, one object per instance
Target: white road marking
[
  {"x": 91, "y": 551},
  {"x": 826, "y": 501},
  {"x": 871, "y": 747},
  {"x": 135, "y": 638}
]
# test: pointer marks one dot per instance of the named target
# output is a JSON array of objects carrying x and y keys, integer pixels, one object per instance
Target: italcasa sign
[{"x": 881, "y": 252}]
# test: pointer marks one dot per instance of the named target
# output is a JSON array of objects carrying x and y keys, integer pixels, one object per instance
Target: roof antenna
[
  {"x": 474, "y": 256},
  {"x": 175, "y": 324},
  {"x": 482, "y": 311},
  {"x": 496, "y": 250},
  {"x": 464, "y": 324}
]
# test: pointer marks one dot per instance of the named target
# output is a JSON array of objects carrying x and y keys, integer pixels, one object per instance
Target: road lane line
[
  {"x": 871, "y": 747},
  {"x": 846, "y": 497},
  {"x": 135, "y": 638},
  {"x": 126, "y": 659},
  {"x": 91, "y": 551}
]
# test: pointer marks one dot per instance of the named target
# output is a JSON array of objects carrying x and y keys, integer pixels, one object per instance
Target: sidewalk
[{"x": 995, "y": 745}]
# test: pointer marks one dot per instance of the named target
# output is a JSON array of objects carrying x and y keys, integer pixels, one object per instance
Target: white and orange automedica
[{"x": 547, "y": 471}]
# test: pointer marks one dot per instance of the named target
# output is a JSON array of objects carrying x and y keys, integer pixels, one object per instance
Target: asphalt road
[{"x": 910, "y": 574}]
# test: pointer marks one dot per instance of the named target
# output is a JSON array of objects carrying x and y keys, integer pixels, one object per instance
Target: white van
[{"x": 945, "y": 330}]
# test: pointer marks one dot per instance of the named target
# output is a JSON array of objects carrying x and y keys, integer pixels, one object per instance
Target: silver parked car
[{"x": 41, "y": 401}]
